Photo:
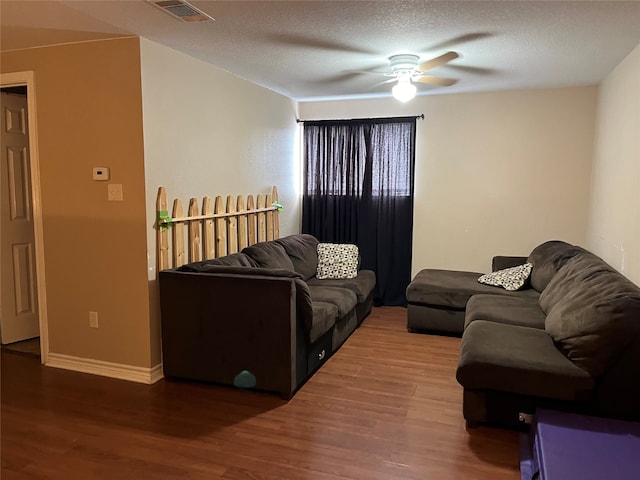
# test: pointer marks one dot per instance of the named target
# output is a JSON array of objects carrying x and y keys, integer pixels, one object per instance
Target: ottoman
[{"x": 437, "y": 299}]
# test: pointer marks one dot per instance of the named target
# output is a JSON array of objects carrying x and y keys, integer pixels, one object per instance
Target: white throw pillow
[
  {"x": 337, "y": 260},
  {"x": 511, "y": 279}
]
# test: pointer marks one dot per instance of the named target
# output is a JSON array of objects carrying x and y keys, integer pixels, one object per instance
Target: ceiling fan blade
[
  {"x": 371, "y": 72},
  {"x": 452, "y": 42},
  {"x": 342, "y": 77},
  {"x": 443, "y": 82},
  {"x": 379, "y": 84},
  {"x": 290, "y": 40},
  {"x": 436, "y": 62},
  {"x": 473, "y": 70}
]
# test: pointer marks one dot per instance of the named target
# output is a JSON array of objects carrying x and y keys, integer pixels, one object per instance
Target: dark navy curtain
[{"x": 358, "y": 188}]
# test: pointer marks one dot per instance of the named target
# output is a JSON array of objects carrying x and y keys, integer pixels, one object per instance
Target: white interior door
[{"x": 18, "y": 300}]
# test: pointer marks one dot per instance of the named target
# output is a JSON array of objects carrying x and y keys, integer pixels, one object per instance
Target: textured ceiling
[{"x": 311, "y": 50}]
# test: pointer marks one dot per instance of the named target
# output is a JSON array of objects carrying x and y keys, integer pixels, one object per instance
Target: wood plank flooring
[{"x": 385, "y": 406}]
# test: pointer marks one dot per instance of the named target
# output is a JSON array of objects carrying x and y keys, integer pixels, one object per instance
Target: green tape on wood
[
  {"x": 279, "y": 206},
  {"x": 164, "y": 219}
]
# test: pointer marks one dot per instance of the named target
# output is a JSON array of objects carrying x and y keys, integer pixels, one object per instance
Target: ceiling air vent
[{"x": 181, "y": 10}]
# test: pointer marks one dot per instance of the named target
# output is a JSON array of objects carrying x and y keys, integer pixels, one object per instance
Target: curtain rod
[{"x": 421, "y": 116}]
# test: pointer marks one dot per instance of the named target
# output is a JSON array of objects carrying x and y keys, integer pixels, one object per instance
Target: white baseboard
[{"x": 106, "y": 369}]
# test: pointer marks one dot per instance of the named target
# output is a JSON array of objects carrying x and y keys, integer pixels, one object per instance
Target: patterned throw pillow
[
  {"x": 337, "y": 260},
  {"x": 511, "y": 279}
]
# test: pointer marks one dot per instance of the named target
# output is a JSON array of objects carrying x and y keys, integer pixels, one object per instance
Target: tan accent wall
[
  {"x": 89, "y": 114},
  {"x": 614, "y": 221},
  {"x": 496, "y": 173}
]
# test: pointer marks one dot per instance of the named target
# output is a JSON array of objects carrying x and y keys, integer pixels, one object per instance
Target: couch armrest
[
  {"x": 303, "y": 297},
  {"x": 215, "y": 326},
  {"x": 500, "y": 262},
  {"x": 238, "y": 270}
]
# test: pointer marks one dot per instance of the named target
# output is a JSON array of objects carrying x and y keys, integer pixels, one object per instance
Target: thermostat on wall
[{"x": 101, "y": 173}]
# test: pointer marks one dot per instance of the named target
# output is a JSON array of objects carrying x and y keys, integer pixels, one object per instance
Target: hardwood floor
[{"x": 385, "y": 406}]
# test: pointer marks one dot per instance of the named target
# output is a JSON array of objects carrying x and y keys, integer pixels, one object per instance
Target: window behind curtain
[{"x": 359, "y": 189}]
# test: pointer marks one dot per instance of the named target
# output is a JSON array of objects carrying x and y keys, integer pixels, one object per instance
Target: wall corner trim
[
  {"x": 156, "y": 373},
  {"x": 106, "y": 369}
]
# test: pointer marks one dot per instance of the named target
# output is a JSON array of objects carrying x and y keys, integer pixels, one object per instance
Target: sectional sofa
[
  {"x": 259, "y": 318},
  {"x": 568, "y": 339}
]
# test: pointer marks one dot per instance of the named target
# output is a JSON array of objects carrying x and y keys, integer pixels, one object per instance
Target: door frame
[{"x": 27, "y": 79}]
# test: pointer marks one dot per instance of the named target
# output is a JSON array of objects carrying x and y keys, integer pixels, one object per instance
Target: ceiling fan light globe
[{"x": 404, "y": 91}]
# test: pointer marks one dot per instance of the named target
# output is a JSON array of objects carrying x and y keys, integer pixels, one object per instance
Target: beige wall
[
  {"x": 205, "y": 132},
  {"x": 208, "y": 132},
  {"x": 89, "y": 113},
  {"x": 496, "y": 173},
  {"x": 614, "y": 221}
]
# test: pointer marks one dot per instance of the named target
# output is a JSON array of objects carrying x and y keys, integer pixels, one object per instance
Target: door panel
[
  {"x": 23, "y": 281},
  {"x": 18, "y": 187},
  {"x": 18, "y": 301}
]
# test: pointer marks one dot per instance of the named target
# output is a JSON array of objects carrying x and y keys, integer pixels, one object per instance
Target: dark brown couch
[
  {"x": 258, "y": 318},
  {"x": 575, "y": 347},
  {"x": 570, "y": 339}
]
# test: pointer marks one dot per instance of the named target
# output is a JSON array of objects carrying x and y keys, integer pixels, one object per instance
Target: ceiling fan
[{"x": 406, "y": 69}]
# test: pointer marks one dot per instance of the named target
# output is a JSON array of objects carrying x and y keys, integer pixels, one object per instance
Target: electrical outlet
[
  {"x": 115, "y": 191},
  {"x": 93, "y": 319}
]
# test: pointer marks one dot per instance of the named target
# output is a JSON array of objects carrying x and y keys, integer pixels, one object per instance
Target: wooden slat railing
[{"x": 218, "y": 229}]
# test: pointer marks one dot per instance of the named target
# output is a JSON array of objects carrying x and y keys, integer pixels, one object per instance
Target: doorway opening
[{"x": 23, "y": 326}]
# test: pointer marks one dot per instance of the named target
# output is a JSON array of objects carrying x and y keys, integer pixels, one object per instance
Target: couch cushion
[
  {"x": 362, "y": 285},
  {"x": 324, "y": 317},
  {"x": 448, "y": 288},
  {"x": 547, "y": 258},
  {"x": 522, "y": 311},
  {"x": 337, "y": 260},
  {"x": 567, "y": 280},
  {"x": 302, "y": 250},
  {"x": 342, "y": 298},
  {"x": 512, "y": 278},
  {"x": 597, "y": 315},
  {"x": 269, "y": 255},
  {"x": 521, "y": 360},
  {"x": 500, "y": 262}
]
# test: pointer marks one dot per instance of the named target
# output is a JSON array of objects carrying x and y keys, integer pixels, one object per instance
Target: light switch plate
[{"x": 115, "y": 192}]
